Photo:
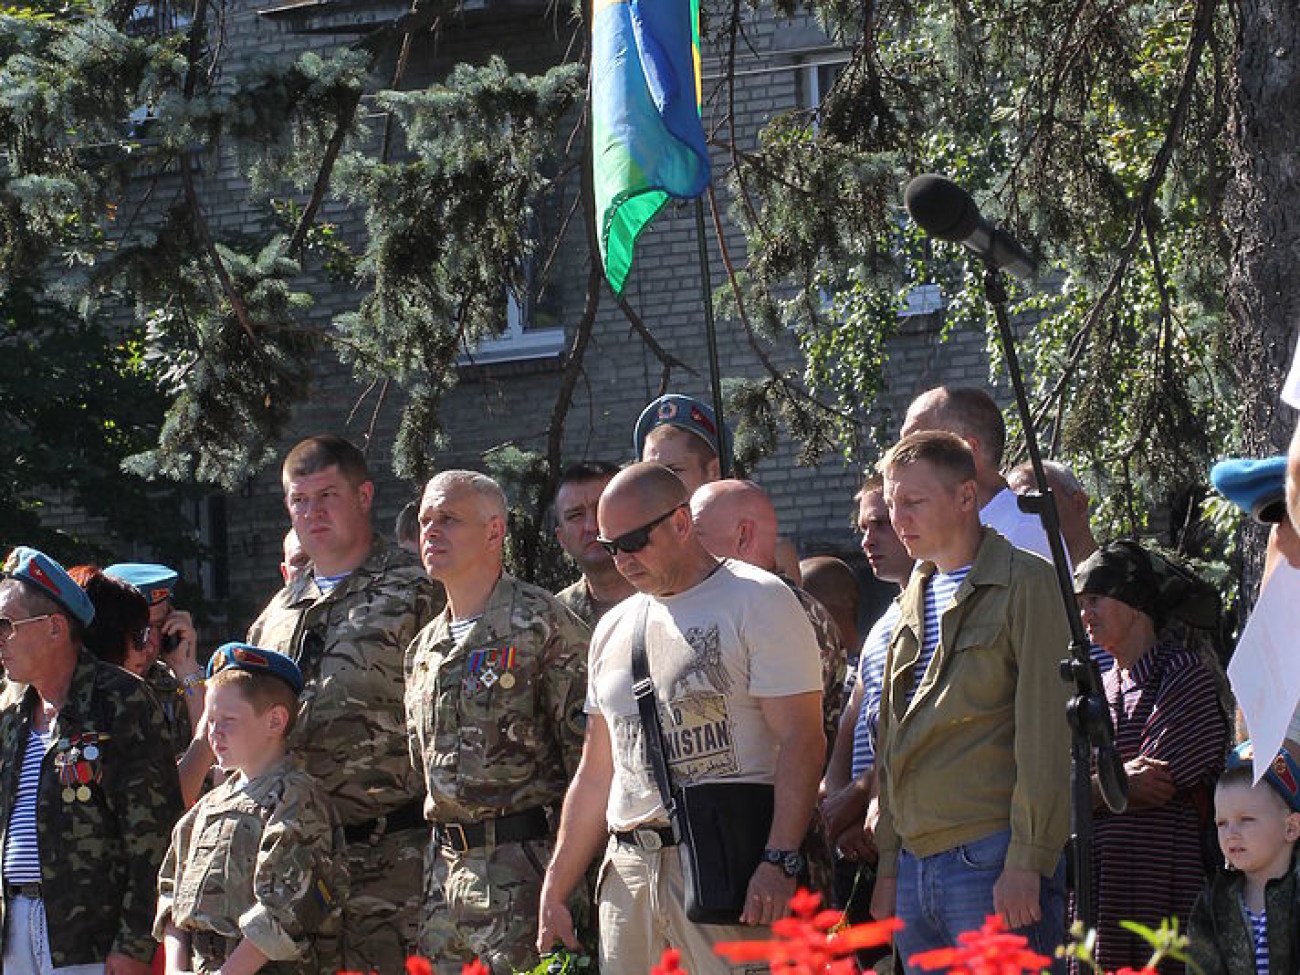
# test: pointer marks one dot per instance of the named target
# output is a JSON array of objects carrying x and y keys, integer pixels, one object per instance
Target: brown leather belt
[{"x": 23, "y": 890}]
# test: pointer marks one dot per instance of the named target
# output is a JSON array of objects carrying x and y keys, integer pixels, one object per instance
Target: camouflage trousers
[
  {"x": 483, "y": 904},
  {"x": 381, "y": 915}
]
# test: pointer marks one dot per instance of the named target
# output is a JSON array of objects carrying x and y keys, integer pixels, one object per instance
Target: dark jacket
[
  {"x": 1222, "y": 942},
  {"x": 99, "y": 857}
]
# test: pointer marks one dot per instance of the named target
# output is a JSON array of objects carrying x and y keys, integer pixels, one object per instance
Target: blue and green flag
[{"x": 647, "y": 140}]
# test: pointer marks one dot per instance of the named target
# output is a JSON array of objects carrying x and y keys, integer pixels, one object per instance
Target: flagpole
[{"x": 711, "y": 337}]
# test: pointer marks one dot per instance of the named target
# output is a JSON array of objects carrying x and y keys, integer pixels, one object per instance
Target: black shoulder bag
[{"x": 721, "y": 828}]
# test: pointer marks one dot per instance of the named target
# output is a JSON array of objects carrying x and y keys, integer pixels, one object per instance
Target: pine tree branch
[
  {"x": 572, "y": 372},
  {"x": 1201, "y": 32},
  {"x": 798, "y": 391},
  {"x": 332, "y": 149}
]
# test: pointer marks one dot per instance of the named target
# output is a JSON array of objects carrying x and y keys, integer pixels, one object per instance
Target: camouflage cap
[
  {"x": 1121, "y": 570},
  {"x": 256, "y": 660},
  {"x": 1257, "y": 487},
  {"x": 155, "y": 581},
  {"x": 47, "y": 577},
  {"x": 1282, "y": 775},
  {"x": 685, "y": 413}
]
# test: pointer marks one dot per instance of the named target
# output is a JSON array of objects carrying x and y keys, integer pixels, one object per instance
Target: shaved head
[
  {"x": 648, "y": 503},
  {"x": 647, "y": 487},
  {"x": 736, "y": 520},
  {"x": 834, "y": 585}
]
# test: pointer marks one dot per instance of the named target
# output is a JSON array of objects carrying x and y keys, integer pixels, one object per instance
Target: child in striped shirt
[{"x": 1244, "y": 921}]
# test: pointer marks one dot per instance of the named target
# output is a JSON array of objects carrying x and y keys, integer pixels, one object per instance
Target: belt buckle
[
  {"x": 648, "y": 838},
  {"x": 451, "y": 831}
]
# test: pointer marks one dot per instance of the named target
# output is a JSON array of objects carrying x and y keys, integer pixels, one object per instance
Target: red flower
[
  {"x": 989, "y": 951},
  {"x": 806, "y": 943},
  {"x": 415, "y": 965},
  {"x": 475, "y": 967},
  {"x": 669, "y": 963}
]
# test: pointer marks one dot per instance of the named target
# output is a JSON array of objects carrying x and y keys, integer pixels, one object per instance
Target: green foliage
[
  {"x": 1088, "y": 136},
  {"x": 531, "y": 549},
  {"x": 77, "y": 401},
  {"x": 447, "y": 230}
]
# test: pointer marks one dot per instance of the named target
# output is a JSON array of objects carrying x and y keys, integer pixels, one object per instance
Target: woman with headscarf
[{"x": 1171, "y": 732}]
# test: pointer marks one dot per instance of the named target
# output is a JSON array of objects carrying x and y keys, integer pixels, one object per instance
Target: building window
[{"x": 521, "y": 341}]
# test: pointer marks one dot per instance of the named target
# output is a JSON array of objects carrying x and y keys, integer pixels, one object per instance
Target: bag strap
[{"x": 643, "y": 689}]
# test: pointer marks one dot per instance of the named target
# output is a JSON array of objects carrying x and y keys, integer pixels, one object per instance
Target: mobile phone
[{"x": 170, "y": 642}]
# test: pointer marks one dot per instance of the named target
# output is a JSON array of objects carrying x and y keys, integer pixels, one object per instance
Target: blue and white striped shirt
[
  {"x": 1259, "y": 928},
  {"x": 22, "y": 858},
  {"x": 941, "y": 588},
  {"x": 871, "y": 671}
]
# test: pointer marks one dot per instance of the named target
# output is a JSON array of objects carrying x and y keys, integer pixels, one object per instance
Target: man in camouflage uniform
[
  {"x": 347, "y": 623},
  {"x": 494, "y": 695},
  {"x": 600, "y": 586},
  {"x": 88, "y": 787}
]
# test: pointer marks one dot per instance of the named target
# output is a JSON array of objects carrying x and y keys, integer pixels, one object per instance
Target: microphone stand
[{"x": 1090, "y": 724}]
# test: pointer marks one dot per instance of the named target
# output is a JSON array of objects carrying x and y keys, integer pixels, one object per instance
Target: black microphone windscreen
[{"x": 941, "y": 208}]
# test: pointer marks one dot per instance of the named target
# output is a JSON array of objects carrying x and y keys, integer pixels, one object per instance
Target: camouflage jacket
[
  {"x": 99, "y": 853},
  {"x": 834, "y": 660},
  {"x": 496, "y": 722},
  {"x": 263, "y": 860},
  {"x": 351, "y": 727},
  {"x": 579, "y": 601},
  {"x": 171, "y": 698}
]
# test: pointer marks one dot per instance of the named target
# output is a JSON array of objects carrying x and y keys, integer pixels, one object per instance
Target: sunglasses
[
  {"x": 230, "y": 656},
  {"x": 637, "y": 538},
  {"x": 7, "y": 626}
]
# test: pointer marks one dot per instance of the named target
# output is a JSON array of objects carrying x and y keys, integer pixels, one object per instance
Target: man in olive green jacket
[{"x": 974, "y": 743}]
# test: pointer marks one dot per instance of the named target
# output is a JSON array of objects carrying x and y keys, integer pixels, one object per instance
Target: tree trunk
[{"x": 1262, "y": 220}]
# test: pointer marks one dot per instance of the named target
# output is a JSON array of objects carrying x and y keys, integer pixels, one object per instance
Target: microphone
[{"x": 944, "y": 210}]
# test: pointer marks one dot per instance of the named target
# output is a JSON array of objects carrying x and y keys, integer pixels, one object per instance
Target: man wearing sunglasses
[
  {"x": 735, "y": 666},
  {"x": 494, "y": 695},
  {"x": 88, "y": 786},
  {"x": 346, "y": 622}
]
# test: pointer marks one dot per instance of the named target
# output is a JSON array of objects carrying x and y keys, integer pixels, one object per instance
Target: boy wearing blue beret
[
  {"x": 256, "y": 869},
  {"x": 1244, "y": 922}
]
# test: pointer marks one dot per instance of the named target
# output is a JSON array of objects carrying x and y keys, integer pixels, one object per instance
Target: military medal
[
  {"x": 508, "y": 655},
  {"x": 76, "y": 763}
]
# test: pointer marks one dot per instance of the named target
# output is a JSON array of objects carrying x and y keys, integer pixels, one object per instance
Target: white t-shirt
[
  {"x": 1020, "y": 528},
  {"x": 714, "y": 650}
]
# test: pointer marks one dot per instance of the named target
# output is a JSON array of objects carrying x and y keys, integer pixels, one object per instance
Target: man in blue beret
[
  {"x": 682, "y": 434},
  {"x": 88, "y": 786}
]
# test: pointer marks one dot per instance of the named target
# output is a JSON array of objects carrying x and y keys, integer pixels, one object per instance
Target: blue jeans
[
  {"x": 943, "y": 895},
  {"x": 27, "y": 943}
]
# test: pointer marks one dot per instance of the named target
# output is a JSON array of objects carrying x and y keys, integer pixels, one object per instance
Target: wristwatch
[{"x": 791, "y": 862}]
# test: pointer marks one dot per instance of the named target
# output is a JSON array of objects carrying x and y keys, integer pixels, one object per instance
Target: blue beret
[
  {"x": 1257, "y": 487},
  {"x": 256, "y": 660},
  {"x": 47, "y": 577},
  {"x": 155, "y": 581},
  {"x": 1283, "y": 773},
  {"x": 685, "y": 413}
]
